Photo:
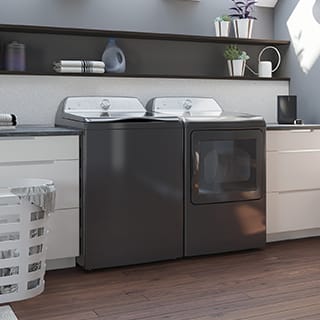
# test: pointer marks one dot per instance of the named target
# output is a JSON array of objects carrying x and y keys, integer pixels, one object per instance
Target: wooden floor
[{"x": 281, "y": 282}]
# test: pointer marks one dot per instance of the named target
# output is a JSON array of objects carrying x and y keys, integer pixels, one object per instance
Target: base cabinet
[
  {"x": 64, "y": 174},
  {"x": 63, "y": 234},
  {"x": 293, "y": 184},
  {"x": 293, "y": 211},
  {"x": 55, "y": 158}
]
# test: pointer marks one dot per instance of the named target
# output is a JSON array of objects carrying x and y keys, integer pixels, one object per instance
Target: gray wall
[
  {"x": 146, "y": 57},
  {"x": 35, "y": 98},
  {"x": 168, "y": 16},
  {"x": 305, "y": 86}
]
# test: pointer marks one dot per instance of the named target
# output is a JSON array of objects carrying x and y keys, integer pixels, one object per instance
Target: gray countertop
[
  {"x": 276, "y": 126},
  {"x": 35, "y": 130},
  {"x": 42, "y": 130}
]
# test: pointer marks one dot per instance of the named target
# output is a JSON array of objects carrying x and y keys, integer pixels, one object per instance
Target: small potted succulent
[
  {"x": 222, "y": 25},
  {"x": 236, "y": 60},
  {"x": 242, "y": 12}
]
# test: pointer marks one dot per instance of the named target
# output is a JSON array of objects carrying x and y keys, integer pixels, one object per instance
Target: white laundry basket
[{"x": 24, "y": 210}]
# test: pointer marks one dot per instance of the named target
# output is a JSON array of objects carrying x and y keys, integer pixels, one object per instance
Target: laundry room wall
[
  {"x": 172, "y": 16},
  {"x": 35, "y": 98},
  {"x": 299, "y": 21}
]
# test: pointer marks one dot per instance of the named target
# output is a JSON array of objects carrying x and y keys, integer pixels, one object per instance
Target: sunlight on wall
[{"x": 304, "y": 30}]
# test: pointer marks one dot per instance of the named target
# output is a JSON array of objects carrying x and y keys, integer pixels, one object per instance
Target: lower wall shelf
[{"x": 128, "y": 75}]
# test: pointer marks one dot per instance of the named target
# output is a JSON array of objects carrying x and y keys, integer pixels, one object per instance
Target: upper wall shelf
[{"x": 137, "y": 35}]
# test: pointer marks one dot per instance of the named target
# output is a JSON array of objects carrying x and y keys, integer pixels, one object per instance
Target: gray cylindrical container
[{"x": 15, "y": 57}]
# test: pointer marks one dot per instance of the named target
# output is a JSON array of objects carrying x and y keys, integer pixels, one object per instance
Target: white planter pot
[
  {"x": 222, "y": 28},
  {"x": 243, "y": 28},
  {"x": 236, "y": 67}
]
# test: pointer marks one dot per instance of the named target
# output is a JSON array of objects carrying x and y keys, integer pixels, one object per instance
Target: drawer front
[
  {"x": 63, "y": 236},
  {"x": 64, "y": 174},
  {"x": 293, "y": 211},
  {"x": 293, "y": 140},
  {"x": 289, "y": 170},
  {"x": 39, "y": 148}
]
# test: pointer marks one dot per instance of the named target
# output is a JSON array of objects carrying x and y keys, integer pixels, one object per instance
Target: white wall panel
[{"x": 35, "y": 98}]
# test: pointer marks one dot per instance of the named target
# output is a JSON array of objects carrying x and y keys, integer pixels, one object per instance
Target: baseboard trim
[
  {"x": 60, "y": 263},
  {"x": 291, "y": 235}
]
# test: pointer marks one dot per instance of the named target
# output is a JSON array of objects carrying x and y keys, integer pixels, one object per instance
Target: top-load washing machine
[
  {"x": 224, "y": 175},
  {"x": 131, "y": 181}
]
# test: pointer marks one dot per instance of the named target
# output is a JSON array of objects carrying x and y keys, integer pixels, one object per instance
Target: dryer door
[{"x": 227, "y": 165}]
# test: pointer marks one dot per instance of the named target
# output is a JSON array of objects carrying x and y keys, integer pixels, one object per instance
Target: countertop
[
  {"x": 36, "y": 130},
  {"x": 42, "y": 130},
  {"x": 276, "y": 126}
]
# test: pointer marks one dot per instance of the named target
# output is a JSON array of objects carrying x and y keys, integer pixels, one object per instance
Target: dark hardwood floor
[{"x": 281, "y": 282}]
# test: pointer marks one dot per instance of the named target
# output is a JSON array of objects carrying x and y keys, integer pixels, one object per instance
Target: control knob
[
  {"x": 187, "y": 104},
  {"x": 105, "y": 104}
]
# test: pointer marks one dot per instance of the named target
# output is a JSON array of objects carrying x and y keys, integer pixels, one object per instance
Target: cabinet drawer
[
  {"x": 64, "y": 174},
  {"x": 292, "y": 211},
  {"x": 290, "y": 170},
  {"x": 63, "y": 237},
  {"x": 299, "y": 139},
  {"x": 39, "y": 148}
]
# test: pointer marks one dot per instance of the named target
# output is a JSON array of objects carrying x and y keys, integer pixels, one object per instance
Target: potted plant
[
  {"x": 236, "y": 60},
  {"x": 243, "y": 18},
  {"x": 222, "y": 25}
]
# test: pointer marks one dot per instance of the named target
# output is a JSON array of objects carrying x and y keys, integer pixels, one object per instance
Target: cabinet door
[
  {"x": 293, "y": 211},
  {"x": 293, "y": 140},
  {"x": 64, "y": 174},
  {"x": 63, "y": 237},
  {"x": 39, "y": 148},
  {"x": 293, "y": 170}
]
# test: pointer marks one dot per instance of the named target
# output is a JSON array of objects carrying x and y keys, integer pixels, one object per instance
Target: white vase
[
  {"x": 222, "y": 28},
  {"x": 236, "y": 67},
  {"x": 243, "y": 28}
]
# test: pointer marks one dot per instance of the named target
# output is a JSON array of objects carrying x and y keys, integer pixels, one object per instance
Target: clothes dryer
[{"x": 224, "y": 175}]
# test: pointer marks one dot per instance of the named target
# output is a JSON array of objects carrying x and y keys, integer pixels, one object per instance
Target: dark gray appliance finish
[
  {"x": 131, "y": 182},
  {"x": 225, "y": 201}
]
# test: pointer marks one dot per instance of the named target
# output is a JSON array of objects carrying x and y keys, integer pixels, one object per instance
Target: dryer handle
[{"x": 196, "y": 170}]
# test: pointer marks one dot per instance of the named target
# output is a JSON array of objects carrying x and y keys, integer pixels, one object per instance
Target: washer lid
[
  {"x": 185, "y": 106},
  {"x": 196, "y": 109},
  {"x": 101, "y": 109}
]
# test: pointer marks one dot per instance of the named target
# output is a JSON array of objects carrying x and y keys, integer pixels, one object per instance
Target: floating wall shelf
[
  {"x": 152, "y": 62},
  {"x": 136, "y": 35},
  {"x": 125, "y": 75}
]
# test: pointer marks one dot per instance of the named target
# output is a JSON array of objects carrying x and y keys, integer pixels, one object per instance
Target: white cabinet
[
  {"x": 293, "y": 184},
  {"x": 63, "y": 238},
  {"x": 55, "y": 158}
]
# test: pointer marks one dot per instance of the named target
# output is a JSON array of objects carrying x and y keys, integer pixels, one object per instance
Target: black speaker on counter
[{"x": 287, "y": 109}]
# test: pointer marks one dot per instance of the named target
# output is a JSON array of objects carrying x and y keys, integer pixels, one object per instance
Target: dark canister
[
  {"x": 15, "y": 57},
  {"x": 287, "y": 109}
]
